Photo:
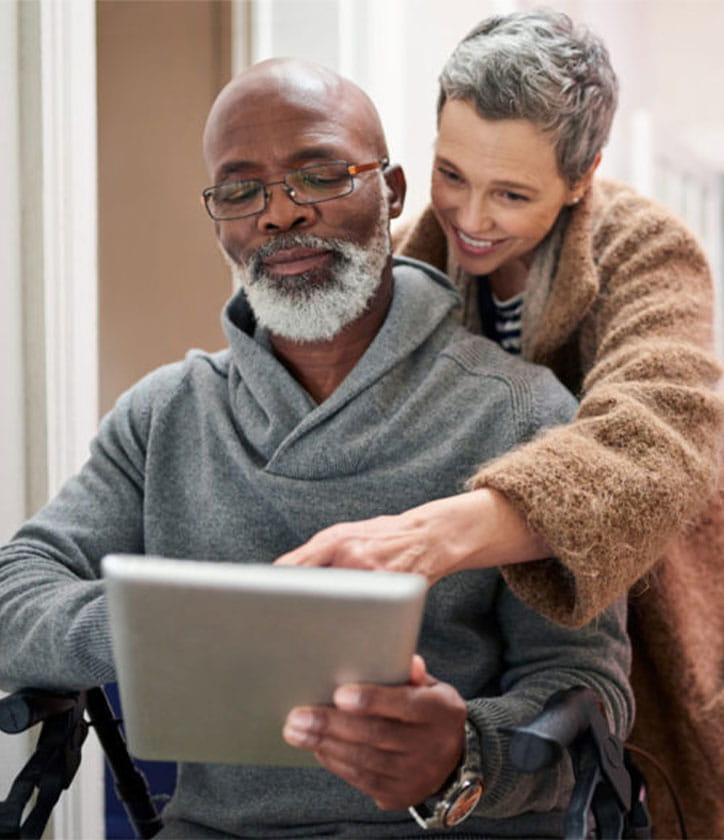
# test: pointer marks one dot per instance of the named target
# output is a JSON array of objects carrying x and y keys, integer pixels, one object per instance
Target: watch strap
[{"x": 458, "y": 797}]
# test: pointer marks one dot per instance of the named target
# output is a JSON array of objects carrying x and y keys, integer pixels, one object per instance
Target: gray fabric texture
[{"x": 225, "y": 457}]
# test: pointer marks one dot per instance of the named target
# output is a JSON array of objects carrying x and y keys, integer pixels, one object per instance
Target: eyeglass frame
[{"x": 353, "y": 169}]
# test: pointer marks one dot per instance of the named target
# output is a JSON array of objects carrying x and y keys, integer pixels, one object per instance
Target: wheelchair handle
[
  {"x": 25, "y": 708},
  {"x": 566, "y": 715}
]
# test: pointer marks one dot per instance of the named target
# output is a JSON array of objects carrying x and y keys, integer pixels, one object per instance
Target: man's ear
[{"x": 396, "y": 189}]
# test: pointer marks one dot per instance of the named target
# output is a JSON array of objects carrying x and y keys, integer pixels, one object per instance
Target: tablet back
[{"x": 210, "y": 657}]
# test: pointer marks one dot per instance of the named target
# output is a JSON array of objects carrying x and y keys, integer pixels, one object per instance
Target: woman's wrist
[{"x": 483, "y": 529}]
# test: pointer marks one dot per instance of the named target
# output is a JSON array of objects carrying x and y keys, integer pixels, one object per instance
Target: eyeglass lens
[{"x": 305, "y": 186}]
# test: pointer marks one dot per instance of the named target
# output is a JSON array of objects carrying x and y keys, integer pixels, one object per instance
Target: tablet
[{"x": 210, "y": 657}]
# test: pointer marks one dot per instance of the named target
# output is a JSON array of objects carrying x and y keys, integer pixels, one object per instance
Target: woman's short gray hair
[{"x": 538, "y": 66}]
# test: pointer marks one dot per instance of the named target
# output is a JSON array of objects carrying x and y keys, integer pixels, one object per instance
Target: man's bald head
[{"x": 286, "y": 90}]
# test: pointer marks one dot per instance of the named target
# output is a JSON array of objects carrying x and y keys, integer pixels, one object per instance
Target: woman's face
[{"x": 496, "y": 188}]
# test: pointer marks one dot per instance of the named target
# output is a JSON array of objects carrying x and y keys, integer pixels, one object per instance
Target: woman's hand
[
  {"x": 397, "y": 744},
  {"x": 478, "y": 529}
]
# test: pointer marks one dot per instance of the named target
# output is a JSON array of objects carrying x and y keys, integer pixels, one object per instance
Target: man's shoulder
[
  {"x": 167, "y": 382},
  {"x": 527, "y": 383},
  {"x": 421, "y": 272},
  {"x": 482, "y": 356},
  {"x": 476, "y": 354}
]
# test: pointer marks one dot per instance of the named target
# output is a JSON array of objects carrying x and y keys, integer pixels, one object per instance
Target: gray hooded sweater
[{"x": 225, "y": 457}]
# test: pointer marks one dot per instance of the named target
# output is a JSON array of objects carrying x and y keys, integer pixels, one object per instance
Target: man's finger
[
  {"x": 413, "y": 704},
  {"x": 376, "y": 785},
  {"x": 312, "y": 727},
  {"x": 418, "y": 672},
  {"x": 395, "y": 785}
]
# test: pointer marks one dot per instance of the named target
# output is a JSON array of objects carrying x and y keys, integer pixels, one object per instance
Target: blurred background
[
  {"x": 108, "y": 263},
  {"x": 160, "y": 63}
]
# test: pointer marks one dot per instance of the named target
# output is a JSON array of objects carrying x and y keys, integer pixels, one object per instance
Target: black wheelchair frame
[
  {"x": 51, "y": 768},
  {"x": 609, "y": 798}
]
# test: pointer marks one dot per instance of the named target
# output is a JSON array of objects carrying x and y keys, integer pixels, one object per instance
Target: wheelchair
[{"x": 608, "y": 800}]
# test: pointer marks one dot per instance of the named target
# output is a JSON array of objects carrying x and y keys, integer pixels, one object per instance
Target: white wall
[
  {"x": 687, "y": 71},
  {"x": 12, "y": 492},
  {"x": 12, "y": 488},
  {"x": 669, "y": 132}
]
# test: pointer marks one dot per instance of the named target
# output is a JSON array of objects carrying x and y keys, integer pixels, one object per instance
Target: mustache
[{"x": 296, "y": 240}]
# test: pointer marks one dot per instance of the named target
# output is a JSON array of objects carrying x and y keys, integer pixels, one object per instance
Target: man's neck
[{"x": 320, "y": 366}]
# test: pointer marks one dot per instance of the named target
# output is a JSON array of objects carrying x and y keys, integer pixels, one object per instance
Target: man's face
[{"x": 308, "y": 270}]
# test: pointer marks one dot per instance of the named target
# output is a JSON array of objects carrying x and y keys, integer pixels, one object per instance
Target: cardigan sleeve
[
  {"x": 636, "y": 465},
  {"x": 641, "y": 456}
]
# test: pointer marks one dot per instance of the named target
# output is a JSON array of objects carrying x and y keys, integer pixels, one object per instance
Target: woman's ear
[
  {"x": 579, "y": 188},
  {"x": 396, "y": 189}
]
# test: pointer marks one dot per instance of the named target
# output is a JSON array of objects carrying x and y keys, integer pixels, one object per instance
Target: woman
[{"x": 616, "y": 298}]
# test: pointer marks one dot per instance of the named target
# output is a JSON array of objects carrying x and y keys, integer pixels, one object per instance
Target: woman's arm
[{"x": 478, "y": 529}]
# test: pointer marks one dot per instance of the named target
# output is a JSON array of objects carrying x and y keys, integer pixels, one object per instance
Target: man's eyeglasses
[{"x": 308, "y": 185}]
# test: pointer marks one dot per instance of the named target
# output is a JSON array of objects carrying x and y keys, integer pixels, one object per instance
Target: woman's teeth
[{"x": 475, "y": 243}]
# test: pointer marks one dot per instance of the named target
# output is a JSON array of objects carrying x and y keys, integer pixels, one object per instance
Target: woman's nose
[{"x": 474, "y": 215}]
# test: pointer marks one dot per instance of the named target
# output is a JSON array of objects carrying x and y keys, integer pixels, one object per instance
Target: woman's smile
[{"x": 474, "y": 245}]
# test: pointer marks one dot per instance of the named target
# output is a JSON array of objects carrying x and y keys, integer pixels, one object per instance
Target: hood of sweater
[{"x": 274, "y": 409}]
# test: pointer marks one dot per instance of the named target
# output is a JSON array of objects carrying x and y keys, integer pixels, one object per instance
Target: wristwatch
[{"x": 458, "y": 798}]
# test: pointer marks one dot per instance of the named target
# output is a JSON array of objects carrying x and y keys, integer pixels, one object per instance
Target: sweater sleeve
[
  {"x": 52, "y": 605},
  {"x": 641, "y": 457},
  {"x": 542, "y": 658}
]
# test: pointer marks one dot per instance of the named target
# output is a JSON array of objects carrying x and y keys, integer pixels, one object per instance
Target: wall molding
[
  {"x": 69, "y": 203},
  {"x": 70, "y": 280}
]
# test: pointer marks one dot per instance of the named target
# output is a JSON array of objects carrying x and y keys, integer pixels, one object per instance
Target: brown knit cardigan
[{"x": 618, "y": 303}]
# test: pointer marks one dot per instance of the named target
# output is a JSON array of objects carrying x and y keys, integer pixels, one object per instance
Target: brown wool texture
[{"x": 619, "y": 304}]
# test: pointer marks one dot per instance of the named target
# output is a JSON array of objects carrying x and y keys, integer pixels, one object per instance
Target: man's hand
[
  {"x": 397, "y": 744},
  {"x": 477, "y": 529}
]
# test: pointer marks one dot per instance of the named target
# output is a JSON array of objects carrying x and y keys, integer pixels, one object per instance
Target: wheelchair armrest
[
  {"x": 57, "y": 755},
  {"x": 573, "y": 720},
  {"x": 23, "y": 709},
  {"x": 566, "y": 715},
  {"x": 52, "y": 766}
]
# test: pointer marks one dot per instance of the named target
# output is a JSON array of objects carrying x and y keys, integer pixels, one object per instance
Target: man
[{"x": 346, "y": 386}]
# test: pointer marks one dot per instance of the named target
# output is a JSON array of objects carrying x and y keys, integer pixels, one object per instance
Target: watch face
[{"x": 463, "y": 803}]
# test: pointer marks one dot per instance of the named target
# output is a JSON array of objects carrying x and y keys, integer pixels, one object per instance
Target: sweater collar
[{"x": 270, "y": 404}]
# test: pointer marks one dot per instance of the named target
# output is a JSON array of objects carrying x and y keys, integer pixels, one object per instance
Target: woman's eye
[
  {"x": 513, "y": 197},
  {"x": 449, "y": 175}
]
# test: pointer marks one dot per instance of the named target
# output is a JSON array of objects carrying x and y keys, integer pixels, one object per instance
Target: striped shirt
[{"x": 507, "y": 321}]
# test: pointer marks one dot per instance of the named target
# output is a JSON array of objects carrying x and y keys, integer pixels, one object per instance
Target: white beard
[{"x": 315, "y": 306}]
